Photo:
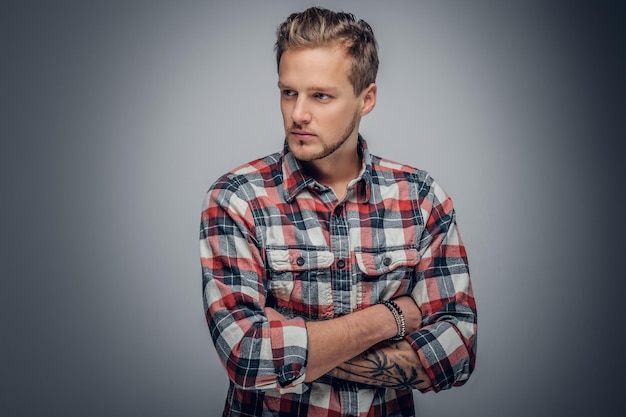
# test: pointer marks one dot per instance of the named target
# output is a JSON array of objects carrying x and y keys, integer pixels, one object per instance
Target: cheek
[{"x": 340, "y": 118}]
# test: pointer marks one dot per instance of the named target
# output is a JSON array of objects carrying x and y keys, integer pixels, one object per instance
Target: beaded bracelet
[{"x": 396, "y": 311}]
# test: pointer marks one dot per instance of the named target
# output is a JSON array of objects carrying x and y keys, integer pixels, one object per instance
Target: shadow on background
[{"x": 117, "y": 116}]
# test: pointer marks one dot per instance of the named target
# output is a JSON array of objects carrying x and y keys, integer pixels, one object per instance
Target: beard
[{"x": 327, "y": 148}]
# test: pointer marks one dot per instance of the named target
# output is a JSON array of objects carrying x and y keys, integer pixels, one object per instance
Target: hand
[
  {"x": 388, "y": 364},
  {"x": 412, "y": 313}
]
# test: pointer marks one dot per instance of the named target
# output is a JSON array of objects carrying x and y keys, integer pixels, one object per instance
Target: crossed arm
[
  {"x": 388, "y": 364},
  {"x": 384, "y": 364}
]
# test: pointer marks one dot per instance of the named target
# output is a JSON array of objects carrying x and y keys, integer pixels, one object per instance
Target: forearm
[
  {"x": 388, "y": 364},
  {"x": 333, "y": 342}
]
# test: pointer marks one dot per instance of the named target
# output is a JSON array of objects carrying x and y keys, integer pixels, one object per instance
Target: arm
[
  {"x": 388, "y": 364},
  {"x": 375, "y": 326},
  {"x": 255, "y": 353},
  {"x": 446, "y": 342},
  {"x": 351, "y": 334}
]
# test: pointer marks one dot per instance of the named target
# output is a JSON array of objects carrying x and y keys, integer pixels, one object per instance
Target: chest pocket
[
  {"x": 299, "y": 282},
  {"x": 386, "y": 273}
]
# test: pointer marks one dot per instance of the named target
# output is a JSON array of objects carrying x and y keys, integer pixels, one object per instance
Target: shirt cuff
[
  {"x": 289, "y": 351},
  {"x": 442, "y": 353}
]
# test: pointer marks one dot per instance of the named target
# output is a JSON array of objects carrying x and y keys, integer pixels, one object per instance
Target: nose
[{"x": 300, "y": 113}]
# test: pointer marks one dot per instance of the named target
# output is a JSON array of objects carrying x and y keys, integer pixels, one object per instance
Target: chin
[
  {"x": 303, "y": 156},
  {"x": 300, "y": 151}
]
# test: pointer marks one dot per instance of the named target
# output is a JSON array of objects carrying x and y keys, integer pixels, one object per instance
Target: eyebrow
[{"x": 312, "y": 88}]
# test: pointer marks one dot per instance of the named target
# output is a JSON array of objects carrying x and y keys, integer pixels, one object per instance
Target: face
[{"x": 321, "y": 113}]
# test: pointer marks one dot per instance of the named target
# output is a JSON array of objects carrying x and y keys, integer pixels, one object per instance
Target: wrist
[
  {"x": 398, "y": 317},
  {"x": 386, "y": 324}
]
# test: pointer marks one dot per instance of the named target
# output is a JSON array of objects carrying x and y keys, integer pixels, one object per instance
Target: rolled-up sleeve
[
  {"x": 257, "y": 354},
  {"x": 446, "y": 344}
]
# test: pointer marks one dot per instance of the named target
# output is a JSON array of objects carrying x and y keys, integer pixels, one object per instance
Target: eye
[
  {"x": 289, "y": 93},
  {"x": 322, "y": 96}
]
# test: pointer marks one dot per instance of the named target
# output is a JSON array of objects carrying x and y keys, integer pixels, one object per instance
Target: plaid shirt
[{"x": 271, "y": 236}]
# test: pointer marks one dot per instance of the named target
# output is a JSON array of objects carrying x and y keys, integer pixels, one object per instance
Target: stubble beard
[{"x": 327, "y": 148}]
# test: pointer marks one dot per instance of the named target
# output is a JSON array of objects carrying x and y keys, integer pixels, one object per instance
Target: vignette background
[{"x": 117, "y": 116}]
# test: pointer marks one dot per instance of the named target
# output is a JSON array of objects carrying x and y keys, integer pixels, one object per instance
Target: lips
[{"x": 301, "y": 134}]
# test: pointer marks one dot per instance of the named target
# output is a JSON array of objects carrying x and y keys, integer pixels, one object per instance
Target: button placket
[{"x": 340, "y": 246}]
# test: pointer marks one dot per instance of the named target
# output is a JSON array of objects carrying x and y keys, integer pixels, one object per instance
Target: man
[{"x": 335, "y": 282}]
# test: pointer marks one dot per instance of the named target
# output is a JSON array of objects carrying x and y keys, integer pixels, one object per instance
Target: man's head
[
  {"x": 327, "y": 66},
  {"x": 319, "y": 27}
]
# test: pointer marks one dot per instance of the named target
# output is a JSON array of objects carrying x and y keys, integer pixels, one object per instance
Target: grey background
[{"x": 117, "y": 116}]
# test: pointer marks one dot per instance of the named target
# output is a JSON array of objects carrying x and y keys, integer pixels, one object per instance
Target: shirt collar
[{"x": 295, "y": 180}]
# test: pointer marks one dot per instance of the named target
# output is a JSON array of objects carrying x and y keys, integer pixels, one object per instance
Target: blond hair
[{"x": 317, "y": 27}]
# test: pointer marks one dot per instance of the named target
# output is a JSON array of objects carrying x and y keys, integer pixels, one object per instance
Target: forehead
[{"x": 315, "y": 66}]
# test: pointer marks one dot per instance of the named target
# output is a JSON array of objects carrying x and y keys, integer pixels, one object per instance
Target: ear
[{"x": 368, "y": 100}]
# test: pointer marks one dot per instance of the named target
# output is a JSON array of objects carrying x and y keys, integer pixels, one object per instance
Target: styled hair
[{"x": 318, "y": 26}]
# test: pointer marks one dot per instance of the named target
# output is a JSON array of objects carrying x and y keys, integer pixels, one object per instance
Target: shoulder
[
  {"x": 386, "y": 169},
  {"x": 419, "y": 182},
  {"x": 246, "y": 184},
  {"x": 259, "y": 172}
]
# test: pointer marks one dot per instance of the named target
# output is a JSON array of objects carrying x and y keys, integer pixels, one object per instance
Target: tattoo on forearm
[{"x": 390, "y": 365}]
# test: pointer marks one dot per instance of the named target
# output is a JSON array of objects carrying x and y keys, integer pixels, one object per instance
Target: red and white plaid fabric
[{"x": 271, "y": 236}]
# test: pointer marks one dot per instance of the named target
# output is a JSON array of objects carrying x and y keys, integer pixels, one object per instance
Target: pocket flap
[
  {"x": 380, "y": 262},
  {"x": 299, "y": 259}
]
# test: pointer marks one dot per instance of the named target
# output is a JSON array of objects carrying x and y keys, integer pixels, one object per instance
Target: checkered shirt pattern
[{"x": 272, "y": 236}]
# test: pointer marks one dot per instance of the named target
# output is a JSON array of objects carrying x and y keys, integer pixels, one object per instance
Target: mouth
[{"x": 301, "y": 134}]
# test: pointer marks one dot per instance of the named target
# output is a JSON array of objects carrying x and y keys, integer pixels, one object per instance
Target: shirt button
[
  {"x": 300, "y": 261},
  {"x": 387, "y": 261},
  {"x": 341, "y": 264}
]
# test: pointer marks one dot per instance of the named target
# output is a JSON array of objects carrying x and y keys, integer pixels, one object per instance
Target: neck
[{"x": 336, "y": 170}]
